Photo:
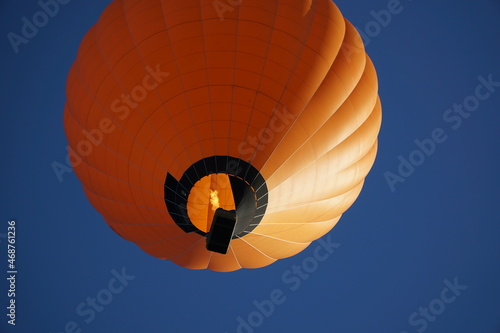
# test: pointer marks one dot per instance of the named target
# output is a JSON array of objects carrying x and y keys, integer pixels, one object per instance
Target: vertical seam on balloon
[
  {"x": 207, "y": 76},
  {"x": 233, "y": 82},
  {"x": 292, "y": 74},
  {"x": 304, "y": 108},
  {"x": 173, "y": 158},
  {"x": 226, "y": 259},
  {"x": 235, "y": 256},
  {"x": 182, "y": 84},
  {"x": 208, "y": 261},
  {"x": 261, "y": 74},
  {"x": 256, "y": 248}
]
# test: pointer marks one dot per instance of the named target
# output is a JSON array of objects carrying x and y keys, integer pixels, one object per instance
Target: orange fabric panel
[
  {"x": 174, "y": 246},
  {"x": 296, "y": 233},
  {"x": 224, "y": 262},
  {"x": 195, "y": 257},
  {"x": 341, "y": 164},
  {"x": 274, "y": 247},
  {"x": 248, "y": 255},
  {"x": 309, "y": 210}
]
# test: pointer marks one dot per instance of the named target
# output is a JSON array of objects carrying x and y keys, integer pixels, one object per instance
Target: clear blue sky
[{"x": 395, "y": 247}]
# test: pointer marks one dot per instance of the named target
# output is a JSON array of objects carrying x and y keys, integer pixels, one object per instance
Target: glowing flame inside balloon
[{"x": 214, "y": 199}]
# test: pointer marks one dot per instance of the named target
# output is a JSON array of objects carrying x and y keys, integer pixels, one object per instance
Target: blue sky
[{"x": 417, "y": 252}]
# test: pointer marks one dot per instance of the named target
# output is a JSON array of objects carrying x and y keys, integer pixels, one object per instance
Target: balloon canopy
[{"x": 222, "y": 134}]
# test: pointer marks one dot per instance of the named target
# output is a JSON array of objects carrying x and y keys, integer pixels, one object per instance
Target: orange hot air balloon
[{"x": 222, "y": 136}]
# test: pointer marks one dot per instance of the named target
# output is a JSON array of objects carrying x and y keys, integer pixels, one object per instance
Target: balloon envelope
[{"x": 180, "y": 111}]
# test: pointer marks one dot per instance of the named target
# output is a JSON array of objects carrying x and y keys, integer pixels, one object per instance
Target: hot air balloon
[{"x": 222, "y": 134}]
